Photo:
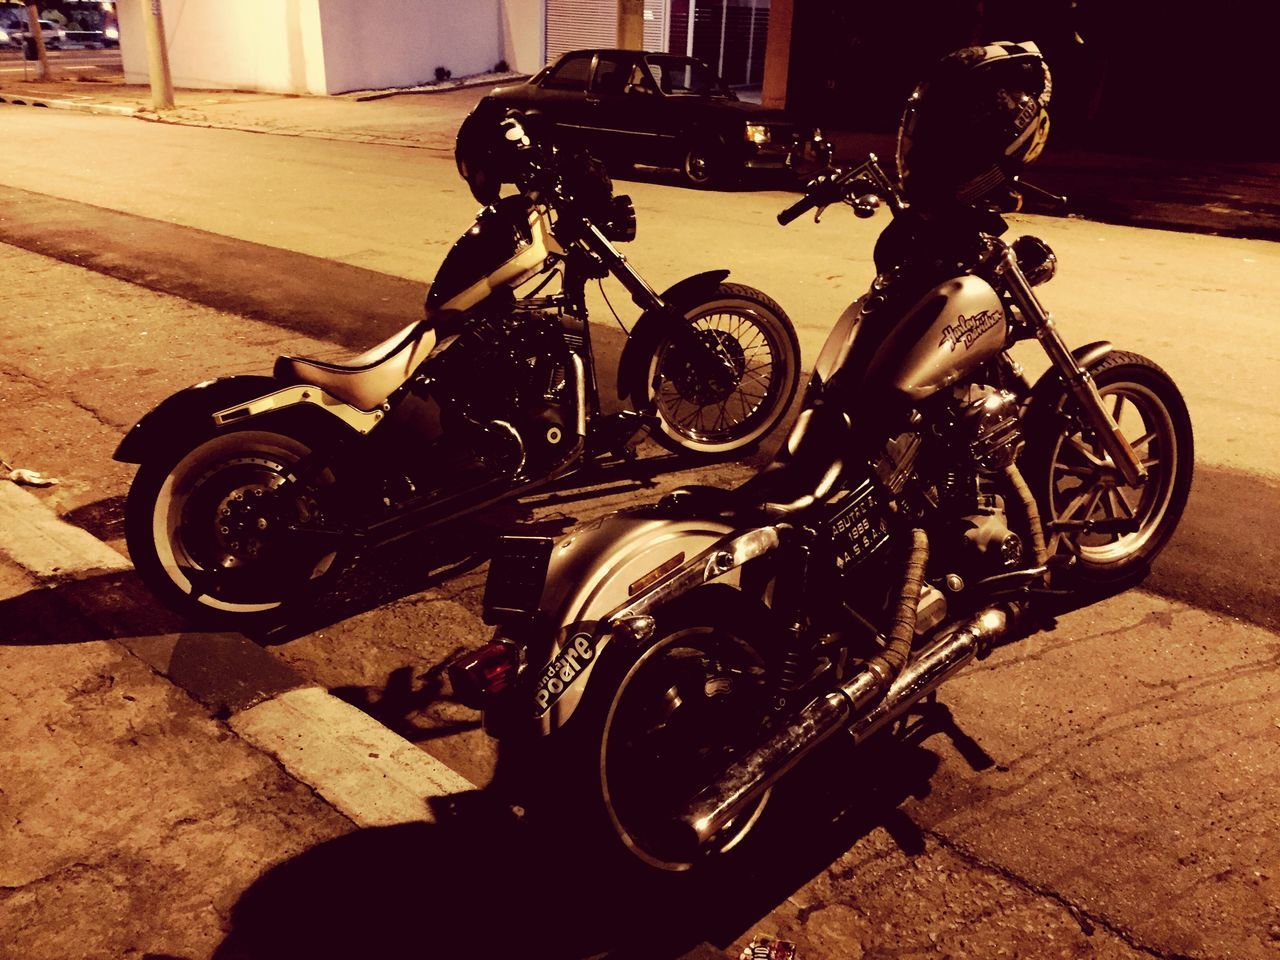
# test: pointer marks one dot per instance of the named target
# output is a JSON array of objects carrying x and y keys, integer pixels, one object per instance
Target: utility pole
[
  {"x": 43, "y": 70},
  {"x": 631, "y": 24},
  {"x": 157, "y": 55}
]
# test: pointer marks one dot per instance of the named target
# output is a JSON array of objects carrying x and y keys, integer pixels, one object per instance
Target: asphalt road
[
  {"x": 72, "y": 62},
  {"x": 1106, "y": 789}
]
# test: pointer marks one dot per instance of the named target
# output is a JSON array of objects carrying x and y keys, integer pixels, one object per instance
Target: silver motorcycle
[{"x": 678, "y": 659}]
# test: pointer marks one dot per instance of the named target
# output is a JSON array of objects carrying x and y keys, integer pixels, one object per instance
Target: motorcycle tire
[
  {"x": 658, "y": 723},
  {"x": 733, "y": 407},
  {"x": 1075, "y": 481},
  {"x": 204, "y": 528}
]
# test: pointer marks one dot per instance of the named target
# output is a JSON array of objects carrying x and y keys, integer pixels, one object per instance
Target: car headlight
[
  {"x": 758, "y": 133},
  {"x": 111, "y": 33},
  {"x": 4, "y": 37}
]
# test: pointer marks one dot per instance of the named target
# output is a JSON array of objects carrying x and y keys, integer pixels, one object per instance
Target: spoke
[
  {"x": 1142, "y": 440},
  {"x": 1085, "y": 452},
  {"x": 1119, "y": 405},
  {"x": 1123, "y": 501},
  {"x": 1076, "y": 471}
]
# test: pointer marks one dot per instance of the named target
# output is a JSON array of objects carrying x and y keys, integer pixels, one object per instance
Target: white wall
[
  {"x": 333, "y": 46},
  {"x": 269, "y": 45},
  {"x": 524, "y": 24},
  {"x": 393, "y": 43}
]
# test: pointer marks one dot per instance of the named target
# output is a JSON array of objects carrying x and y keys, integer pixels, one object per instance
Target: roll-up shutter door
[{"x": 583, "y": 24}]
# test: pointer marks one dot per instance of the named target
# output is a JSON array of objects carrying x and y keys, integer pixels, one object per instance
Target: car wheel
[{"x": 703, "y": 163}]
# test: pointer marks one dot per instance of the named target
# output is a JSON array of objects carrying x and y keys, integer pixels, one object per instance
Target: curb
[
  {"x": 109, "y": 109},
  {"x": 366, "y": 772}
]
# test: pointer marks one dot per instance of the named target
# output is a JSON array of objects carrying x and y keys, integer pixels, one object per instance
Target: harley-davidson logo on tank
[
  {"x": 957, "y": 326},
  {"x": 966, "y": 330}
]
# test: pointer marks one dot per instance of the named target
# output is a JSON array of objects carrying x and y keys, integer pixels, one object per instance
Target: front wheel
[
  {"x": 212, "y": 529},
  {"x": 1111, "y": 529},
  {"x": 727, "y": 387}
]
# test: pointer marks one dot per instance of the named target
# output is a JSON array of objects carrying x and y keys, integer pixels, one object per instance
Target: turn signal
[{"x": 482, "y": 675}]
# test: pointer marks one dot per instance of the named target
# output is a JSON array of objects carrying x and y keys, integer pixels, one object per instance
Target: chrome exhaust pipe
[{"x": 854, "y": 705}]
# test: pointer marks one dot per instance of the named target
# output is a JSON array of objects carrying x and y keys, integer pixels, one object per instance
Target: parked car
[
  {"x": 54, "y": 35},
  {"x": 665, "y": 110}
]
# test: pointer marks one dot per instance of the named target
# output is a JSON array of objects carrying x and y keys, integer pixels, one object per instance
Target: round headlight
[{"x": 1036, "y": 259}]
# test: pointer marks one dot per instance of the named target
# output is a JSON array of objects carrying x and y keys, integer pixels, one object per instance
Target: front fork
[{"x": 1077, "y": 379}]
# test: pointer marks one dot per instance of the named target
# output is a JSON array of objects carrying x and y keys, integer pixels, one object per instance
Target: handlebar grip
[{"x": 807, "y": 202}]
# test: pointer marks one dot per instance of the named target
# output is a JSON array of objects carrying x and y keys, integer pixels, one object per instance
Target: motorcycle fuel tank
[
  {"x": 507, "y": 244},
  {"x": 952, "y": 329}
]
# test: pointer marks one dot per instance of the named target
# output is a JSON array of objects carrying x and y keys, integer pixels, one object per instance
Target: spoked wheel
[
  {"x": 1111, "y": 528},
  {"x": 211, "y": 531},
  {"x": 728, "y": 386},
  {"x": 689, "y": 704}
]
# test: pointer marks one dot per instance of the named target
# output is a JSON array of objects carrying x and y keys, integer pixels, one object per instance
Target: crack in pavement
[{"x": 1087, "y": 919}]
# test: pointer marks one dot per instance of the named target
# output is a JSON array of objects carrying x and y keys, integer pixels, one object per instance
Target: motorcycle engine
[
  {"x": 513, "y": 371},
  {"x": 956, "y": 451}
]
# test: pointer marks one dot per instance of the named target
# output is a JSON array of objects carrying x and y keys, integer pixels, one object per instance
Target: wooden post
[
  {"x": 631, "y": 24},
  {"x": 777, "y": 54},
  {"x": 157, "y": 55},
  {"x": 43, "y": 70}
]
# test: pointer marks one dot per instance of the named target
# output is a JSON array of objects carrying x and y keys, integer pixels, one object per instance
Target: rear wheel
[
  {"x": 727, "y": 389},
  {"x": 210, "y": 529},
  {"x": 666, "y": 720},
  {"x": 1112, "y": 529}
]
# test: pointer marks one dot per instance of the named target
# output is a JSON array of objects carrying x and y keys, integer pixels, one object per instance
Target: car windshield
[{"x": 683, "y": 76}]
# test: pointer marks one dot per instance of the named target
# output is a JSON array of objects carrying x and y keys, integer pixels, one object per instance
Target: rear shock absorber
[{"x": 795, "y": 665}]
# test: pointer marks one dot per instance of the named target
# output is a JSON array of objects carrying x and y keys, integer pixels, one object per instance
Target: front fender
[
  {"x": 593, "y": 572},
  {"x": 647, "y": 332},
  {"x": 170, "y": 424}
]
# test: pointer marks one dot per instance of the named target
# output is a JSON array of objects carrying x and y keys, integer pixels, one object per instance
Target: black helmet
[
  {"x": 978, "y": 119},
  {"x": 492, "y": 148}
]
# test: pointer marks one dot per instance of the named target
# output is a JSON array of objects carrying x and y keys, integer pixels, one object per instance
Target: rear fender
[
  {"x": 648, "y": 330},
  {"x": 623, "y": 566},
  {"x": 228, "y": 402}
]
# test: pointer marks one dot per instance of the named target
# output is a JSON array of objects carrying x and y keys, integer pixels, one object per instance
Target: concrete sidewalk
[{"x": 1228, "y": 198}]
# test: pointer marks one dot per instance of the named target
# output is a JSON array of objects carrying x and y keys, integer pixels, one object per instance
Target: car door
[
  {"x": 562, "y": 97},
  {"x": 626, "y": 107}
]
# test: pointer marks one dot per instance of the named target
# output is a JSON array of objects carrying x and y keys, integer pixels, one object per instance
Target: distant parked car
[
  {"x": 54, "y": 35},
  {"x": 665, "y": 110}
]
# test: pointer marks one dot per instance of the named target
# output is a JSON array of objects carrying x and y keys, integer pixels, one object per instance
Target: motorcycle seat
[
  {"x": 805, "y": 471},
  {"x": 808, "y": 467},
  {"x": 365, "y": 381}
]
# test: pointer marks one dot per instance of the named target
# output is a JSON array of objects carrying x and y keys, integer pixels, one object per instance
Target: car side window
[
  {"x": 571, "y": 74},
  {"x": 611, "y": 75}
]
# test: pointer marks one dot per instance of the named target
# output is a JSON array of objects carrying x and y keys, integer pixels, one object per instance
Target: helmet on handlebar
[
  {"x": 976, "y": 121},
  {"x": 492, "y": 148}
]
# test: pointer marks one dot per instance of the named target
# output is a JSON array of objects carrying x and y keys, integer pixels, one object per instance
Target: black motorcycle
[
  {"x": 668, "y": 664},
  {"x": 252, "y": 490}
]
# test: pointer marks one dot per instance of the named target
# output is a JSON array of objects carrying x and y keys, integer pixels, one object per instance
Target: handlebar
[
  {"x": 801, "y": 206},
  {"x": 847, "y": 185}
]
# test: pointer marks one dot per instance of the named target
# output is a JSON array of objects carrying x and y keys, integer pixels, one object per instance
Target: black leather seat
[{"x": 806, "y": 470}]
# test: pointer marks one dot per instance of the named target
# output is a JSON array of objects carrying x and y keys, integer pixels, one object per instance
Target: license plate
[
  {"x": 857, "y": 529},
  {"x": 517, "y": 573}
]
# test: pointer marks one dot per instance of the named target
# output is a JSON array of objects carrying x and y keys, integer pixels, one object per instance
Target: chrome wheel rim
[
  {"x": 752, "y": 372},
  {"x": 682, "y": 712},
  {"x": 219, "y": 524},
  {"x": 1086, "y": 487}
]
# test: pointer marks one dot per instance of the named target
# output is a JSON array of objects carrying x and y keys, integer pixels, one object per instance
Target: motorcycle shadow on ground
[{"x": 481, "y": 882}]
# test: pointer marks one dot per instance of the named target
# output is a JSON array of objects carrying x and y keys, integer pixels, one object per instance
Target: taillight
[{"x": 484, "y": 674}]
